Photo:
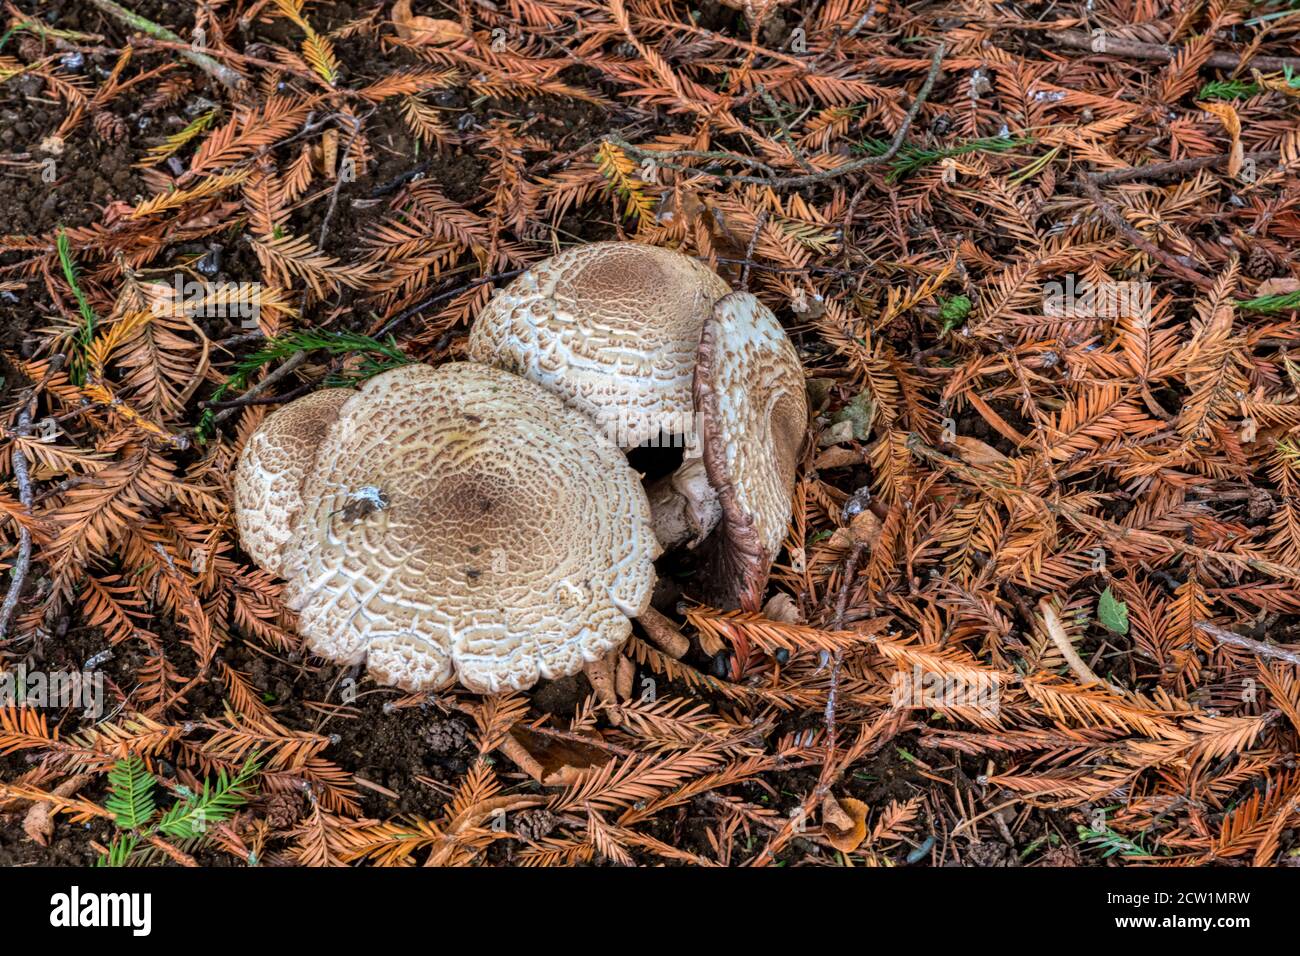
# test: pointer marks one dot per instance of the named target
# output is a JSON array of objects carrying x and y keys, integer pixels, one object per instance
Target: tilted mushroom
[
  {"x": 749, "y": 389},
  {"x": 456, "y": 521},
  {"x": 616, "y": 329}
]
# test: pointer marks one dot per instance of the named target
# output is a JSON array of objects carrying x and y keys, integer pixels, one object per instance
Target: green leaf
[
  {"x": 1282, "y": 302},
  {"x": 130, "y": 793},
  {"x": 1227, "y": 90},
  {"x": 1112, "y": 613},
  {"x": 375, "y": 356},
  {"x": 87, "y": 330},
  {"x": 911, "y": 158}
]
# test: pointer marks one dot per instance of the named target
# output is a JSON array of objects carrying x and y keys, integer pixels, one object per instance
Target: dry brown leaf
[
  {"x": 1227, "y": 115},
  {"x": 844, "y": 822}
]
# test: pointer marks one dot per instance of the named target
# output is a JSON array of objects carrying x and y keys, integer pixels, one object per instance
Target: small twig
[
  {"x": 837, "y": 661},
  {"x": 1122, "y": 225},
  {"x": 443, "y": 296},
  {"x": 18, "y": 573},
  {"x": 749, "y": 250},
  {"x": 291, "y": 363},
  {"x": 338, "y": 180},
  {"x": 218, "y": 71},
  {"x": 243, "y": 338},
  {"x": 397, "y": 182},
  {"x": 1118, "y": 46},
  {"x": 1056, "y": 631},
  {"x": 1177, "y": 167},
  {"x": 245, "y": 401},
  {"x": 147, "y": 43},
  {"x": 868, "y": 15},
  {"x": 790, "y": 142},
  {"x": 1224, "y": 636}
]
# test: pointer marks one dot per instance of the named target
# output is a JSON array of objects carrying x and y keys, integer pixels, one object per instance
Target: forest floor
[{"x": 1037, "y": 260}]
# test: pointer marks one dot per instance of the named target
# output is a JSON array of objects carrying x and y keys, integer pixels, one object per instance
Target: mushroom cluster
[
  {"x": 479, "y": 521},
  {"x": 653, "y": 345}
]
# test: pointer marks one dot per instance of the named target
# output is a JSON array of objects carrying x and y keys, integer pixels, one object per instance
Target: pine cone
[
  {"x": 445, "y": 736},
  {"x": 283, "y": 810},
  {"x": 1259, "y": 264},
  {"x": 535, "y": 824}
]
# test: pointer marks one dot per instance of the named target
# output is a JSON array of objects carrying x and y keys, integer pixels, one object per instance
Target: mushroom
[
  {"x": 650, "y": 342},
  {"x": 753, "y": 409},
  {"x": 272, "y": 468},
  {"x": 449, "y": 522},
  {"x": 610, "y": 327}
]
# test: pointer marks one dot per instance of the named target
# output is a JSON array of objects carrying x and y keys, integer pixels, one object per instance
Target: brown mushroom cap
[
  {"x": 461, "y": 521},
  {"x": 612, "y": 327},
  {"x": 272, "y": 467},
  {"x": 749, "y": 389}
]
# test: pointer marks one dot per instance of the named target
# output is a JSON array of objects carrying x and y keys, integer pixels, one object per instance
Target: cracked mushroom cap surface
[
  {"x": 749, "y": 388},
  {"x": 611, "y": 327},
  {"x": 272, "y": 468},
  {"x": 461, "y": 522}
]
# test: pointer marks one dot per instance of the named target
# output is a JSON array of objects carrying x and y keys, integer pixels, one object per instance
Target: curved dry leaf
[{"x": 844, "y": 822}]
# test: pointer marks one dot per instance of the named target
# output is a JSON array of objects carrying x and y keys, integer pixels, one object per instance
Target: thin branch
[
  {"x": 1056, "y": 631},
  {"x": 218, "y": 71},
  {"x": 1119, "y": 46},
  {"x": 1116, "y": 219},
  {"x": 18, "y": 573},
  {"x": 1224, "y": 636},
  {"x": 759, "y": 223},
  {"x": 1177, "y": 167},
  {"x": 837, "y": 661},
  {"x": 229, "y": 408},
  {"x": 442, "y": 297}
]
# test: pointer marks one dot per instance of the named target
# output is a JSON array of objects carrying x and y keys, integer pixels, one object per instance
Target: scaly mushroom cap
[
  {"x": 612, "y": 328},
  {"x": 461, "y": 521},
  {"x": 272, "y": 467},
  {"x": 749, "y": 389}
]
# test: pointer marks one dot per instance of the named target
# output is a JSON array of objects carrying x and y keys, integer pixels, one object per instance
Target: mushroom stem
[
  {"x": 684, "y": 508},
  {"x": 624, "y": 678},
  {"x": 601, "y": 674},
  {"x": 663, "y": 633}
]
